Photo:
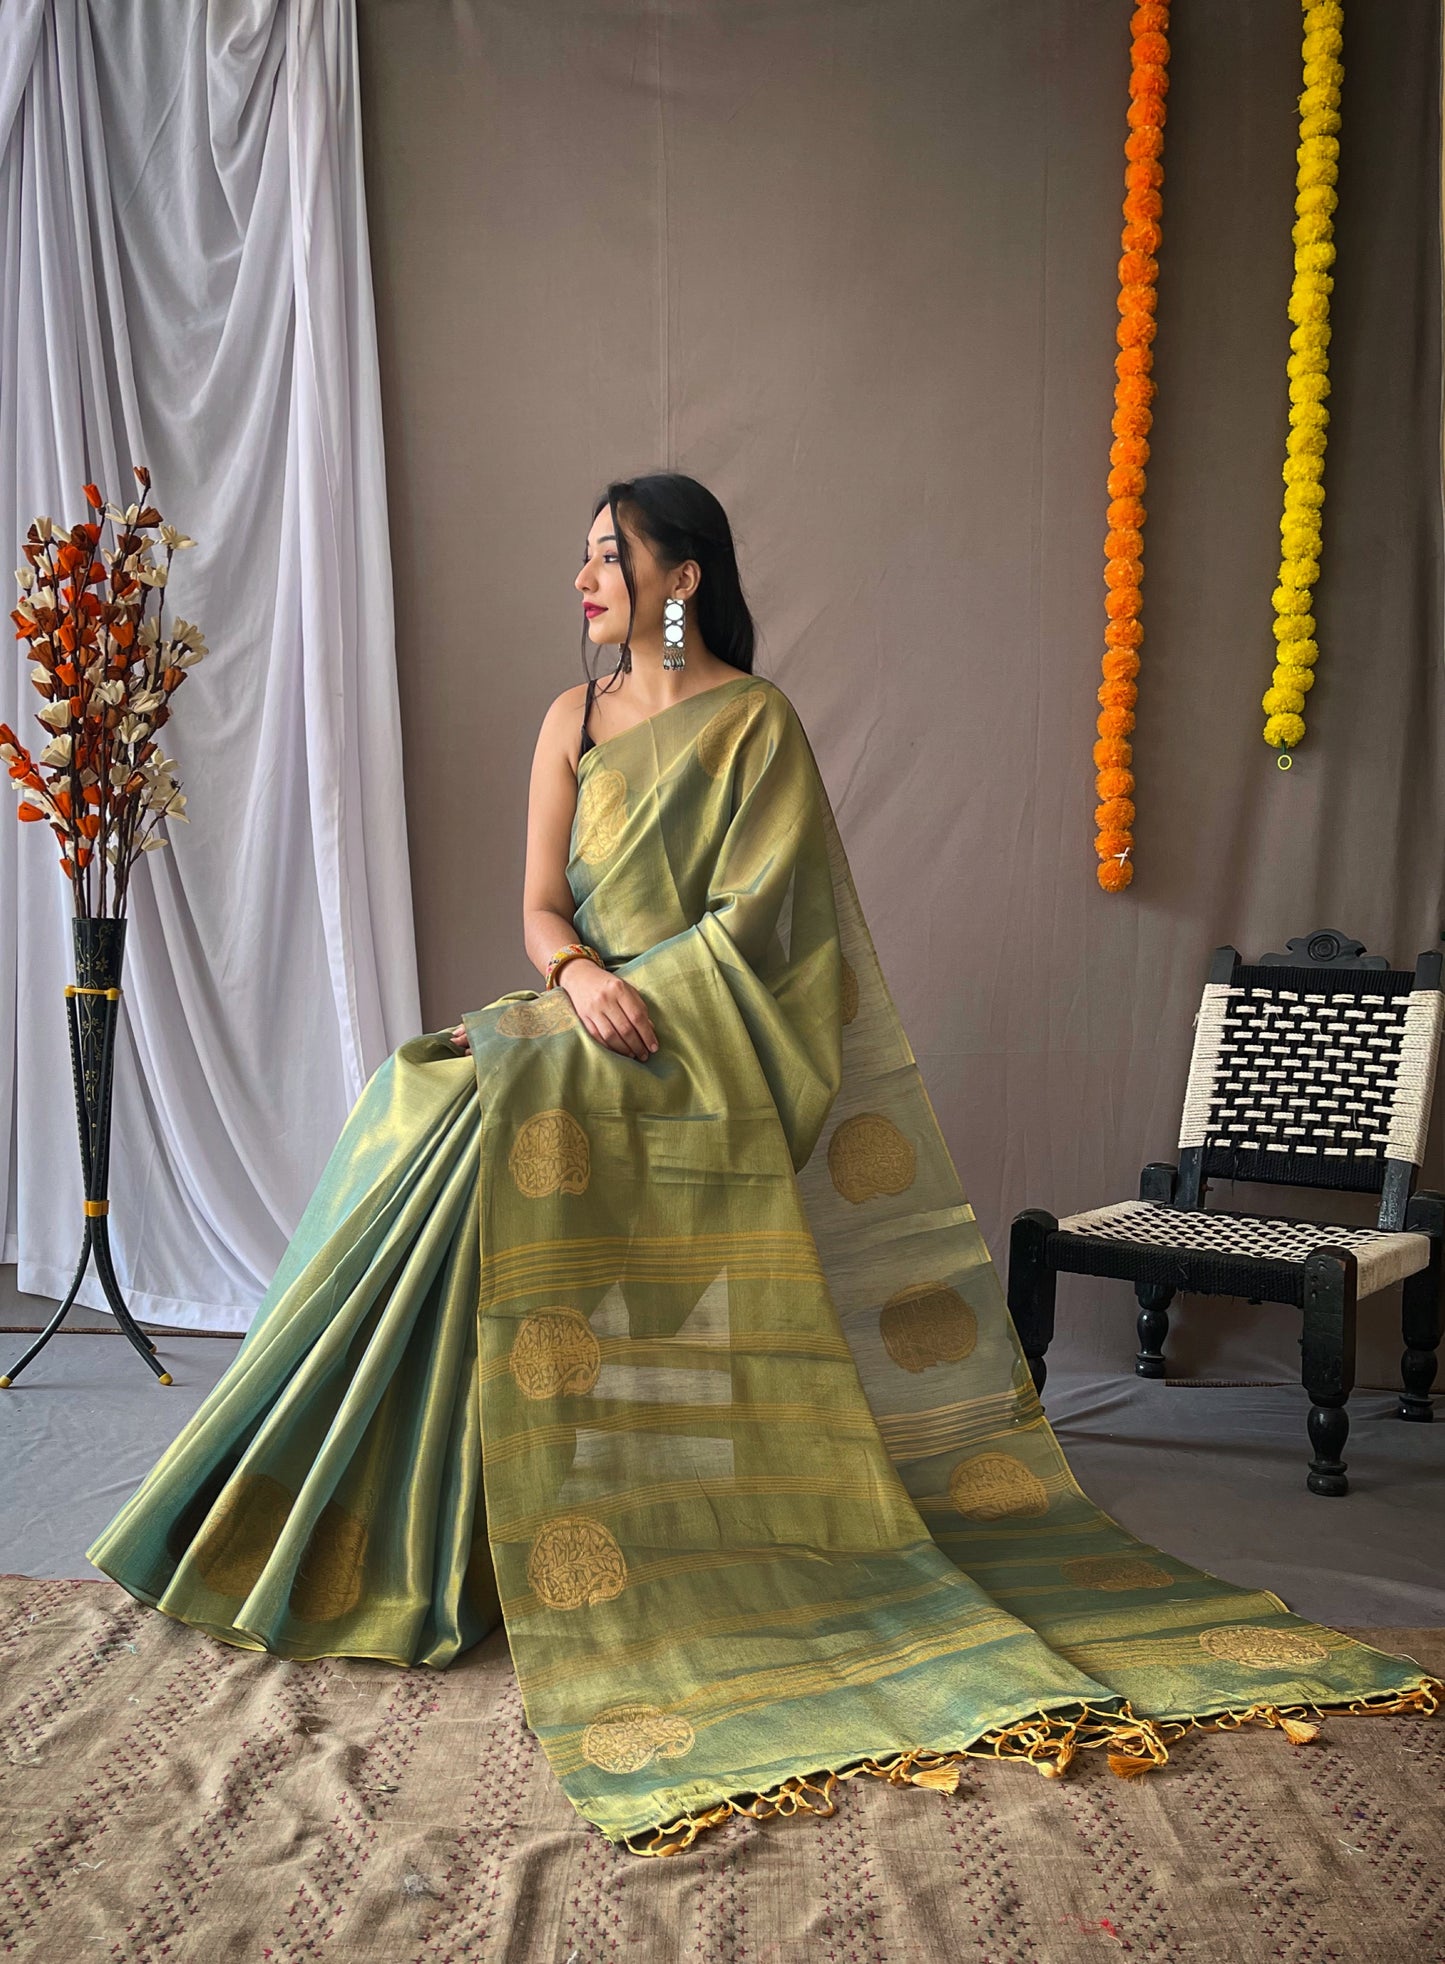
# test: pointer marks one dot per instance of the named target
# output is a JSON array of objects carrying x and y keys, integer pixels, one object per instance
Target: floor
[{"x": 1214, "y": 1475}]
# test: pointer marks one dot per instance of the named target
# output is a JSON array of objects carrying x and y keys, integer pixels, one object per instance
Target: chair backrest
[{"x": 1312, "y": 1069}]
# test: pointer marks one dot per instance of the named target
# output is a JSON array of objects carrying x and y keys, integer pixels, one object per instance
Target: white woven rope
[
  {"x": 1415, "y": 1081},
  {"x": 1324, "y": 1074},
  {"x": 1382, "y": 1257},
  {"x": 1204, "y": 1061}
]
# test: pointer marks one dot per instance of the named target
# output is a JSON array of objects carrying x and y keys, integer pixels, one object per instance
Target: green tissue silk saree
[{"x": 695, "y": 1372}]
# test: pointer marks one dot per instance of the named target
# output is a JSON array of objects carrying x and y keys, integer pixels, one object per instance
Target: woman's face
[{"x": 602, "y": 586}]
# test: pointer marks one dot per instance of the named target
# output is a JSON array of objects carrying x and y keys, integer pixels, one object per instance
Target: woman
[{"x": 644, "y": 1312}]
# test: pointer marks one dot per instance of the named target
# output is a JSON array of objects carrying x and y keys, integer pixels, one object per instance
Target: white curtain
[{"x": 186, "y": 284}]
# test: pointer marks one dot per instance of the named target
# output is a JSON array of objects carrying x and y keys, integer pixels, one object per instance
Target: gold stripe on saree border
[
  {"x": 716, "y": 1703},
  {"x": 695, "y": 1353},
  {"x": 925, "y": 1435},
  {"x": 761, "y": 1254},
  {"x": 701, "y": 1629},
  {"x": 630, "y": 1500},
  {"x": 716, "y": 1420}
]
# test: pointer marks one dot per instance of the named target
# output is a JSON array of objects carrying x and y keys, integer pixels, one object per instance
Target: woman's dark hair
[{"x": 681, "y": 519}]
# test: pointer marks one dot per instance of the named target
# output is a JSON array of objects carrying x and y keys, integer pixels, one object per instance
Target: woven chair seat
[{"x": 1223, "y": 1238}]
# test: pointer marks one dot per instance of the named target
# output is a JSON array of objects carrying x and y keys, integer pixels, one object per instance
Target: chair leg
[
  {"x": 1420, "y": 1323},
  {"x": 1153, "y": 1327},
  {"x": 1327, "y": 1363},
  {"x": 1031, "y": 1288}
]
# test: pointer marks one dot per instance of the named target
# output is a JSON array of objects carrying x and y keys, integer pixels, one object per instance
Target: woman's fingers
[{"x": 619, "y": 1035}]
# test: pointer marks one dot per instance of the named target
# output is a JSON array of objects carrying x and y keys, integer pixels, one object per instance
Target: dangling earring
[{"x": 673, "y": 614}]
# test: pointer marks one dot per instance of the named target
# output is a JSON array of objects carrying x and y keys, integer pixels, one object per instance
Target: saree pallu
[{"x": 695, "y": 1371}]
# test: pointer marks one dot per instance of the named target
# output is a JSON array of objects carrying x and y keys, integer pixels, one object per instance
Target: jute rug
[{"x": 165, "y": 1796}]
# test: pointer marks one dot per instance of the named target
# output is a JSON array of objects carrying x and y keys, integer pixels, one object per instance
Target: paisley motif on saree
[{"x": 695, "y": 1371}]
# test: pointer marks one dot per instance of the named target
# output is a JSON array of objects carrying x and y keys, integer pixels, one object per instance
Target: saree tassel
[
  {"x": 798, "y": 1795},
  {"x": 1299, "y": 1732},
  {"x": 1128, "y": 1766},
  {"x": 918, "y": 1768},
  {"x": 1135, "y": 1745},
  {"x": 1301, "y": 1723}
]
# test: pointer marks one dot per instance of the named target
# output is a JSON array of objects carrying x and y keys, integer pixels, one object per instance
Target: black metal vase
[{"x": 92, "y": 1004}]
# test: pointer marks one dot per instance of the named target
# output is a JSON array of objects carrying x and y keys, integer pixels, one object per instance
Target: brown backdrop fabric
[{"x": 853, "y": 265}]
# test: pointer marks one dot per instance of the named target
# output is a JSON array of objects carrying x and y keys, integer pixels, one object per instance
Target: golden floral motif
[
  {"x": 574, "y": 1563},
  {"x": 242, "y": 1528},
  {"x": 601, "y": 815},
  {"x": 542, "y": 1016},
  {"x": 996, "y": 1486},
  {"x": 925, "y": 1324},
  {"x": 555, "y": 1354},
  {"x": 868, "y": 1155},
  {"x": 1115, "y": 1572},
  {"x": 329, "y": 1579},
  {"x": 1246, "y": 1643},
  {"x": 719, "y": 737},
  {"x": 629, "y": 1737},
  {"x": 550, "y": 1155},
  {"x": 850, "y": 991}
]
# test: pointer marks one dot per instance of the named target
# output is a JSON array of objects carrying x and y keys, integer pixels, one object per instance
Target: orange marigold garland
[{"x": 1129, "y": 452}]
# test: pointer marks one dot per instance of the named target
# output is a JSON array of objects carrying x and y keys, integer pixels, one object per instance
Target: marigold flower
[
  {"x": 1142, "y": 235},
  {"x": 1114, "y": 815},
  {"x": 1121, "y": 664},
  {"x": 1125, "y": 483},
  {"x": 1115, "y": 783},
  {"x": 1117, "y": 694}
]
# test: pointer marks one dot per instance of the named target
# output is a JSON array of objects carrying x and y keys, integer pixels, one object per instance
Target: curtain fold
[{"x": 187, "y": 285}]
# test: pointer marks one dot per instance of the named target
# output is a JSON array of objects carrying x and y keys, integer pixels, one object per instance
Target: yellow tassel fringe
[
  {"x": 1135, "y": 1746},
  {"x": 1045, "y": 1742}
]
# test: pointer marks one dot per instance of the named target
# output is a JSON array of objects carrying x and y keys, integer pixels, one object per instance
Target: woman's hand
[{"x": 609, "y": 1007}]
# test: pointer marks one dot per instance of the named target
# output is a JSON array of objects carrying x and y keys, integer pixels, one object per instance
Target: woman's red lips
[{"x": 589, "y": 610}]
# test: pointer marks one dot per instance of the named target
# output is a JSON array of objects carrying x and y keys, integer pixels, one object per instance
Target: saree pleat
[{"x": 695, "y": 1371}]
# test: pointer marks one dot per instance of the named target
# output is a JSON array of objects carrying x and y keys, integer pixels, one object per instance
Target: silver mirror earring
[{"x": 673, "y": 613}]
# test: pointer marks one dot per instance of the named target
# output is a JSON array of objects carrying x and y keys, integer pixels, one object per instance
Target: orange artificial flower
[{"x": 1134, "y": 390}]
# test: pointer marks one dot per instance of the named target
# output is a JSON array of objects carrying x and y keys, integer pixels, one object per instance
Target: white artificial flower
[
  {"x": 55, "y": 715},
  {"x": 177, "y": 541},
  {"x": 154, "y": 845},
  {"x": 56, "y": 752}
]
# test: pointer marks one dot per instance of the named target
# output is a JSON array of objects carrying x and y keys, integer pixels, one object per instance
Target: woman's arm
[
  {"x": 608, "y": 1006},
  {"x": 547, "y": 905}
]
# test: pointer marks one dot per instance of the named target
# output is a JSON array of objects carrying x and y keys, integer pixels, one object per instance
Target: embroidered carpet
[{"x": 164, "y": 1796}]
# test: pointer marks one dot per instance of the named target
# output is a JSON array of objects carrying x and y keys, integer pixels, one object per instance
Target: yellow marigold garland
[
  {"x": 1309, "y": 308},
  {"x": 1129, "y": 452}
]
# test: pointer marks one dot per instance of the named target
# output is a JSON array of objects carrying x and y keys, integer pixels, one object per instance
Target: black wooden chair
[{"x": 1313, "y": 1068}]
